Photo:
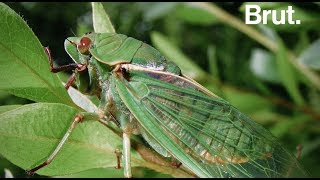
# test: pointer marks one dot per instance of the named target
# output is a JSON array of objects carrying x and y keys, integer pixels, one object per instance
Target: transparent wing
[{"x": 225, "y": 142}]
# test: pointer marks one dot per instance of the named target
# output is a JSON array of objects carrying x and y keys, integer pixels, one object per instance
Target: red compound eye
[{"x": 84, "y": 45}]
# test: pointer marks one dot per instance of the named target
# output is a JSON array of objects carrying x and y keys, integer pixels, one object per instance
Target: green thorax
[{"x": 112, "y": 49}]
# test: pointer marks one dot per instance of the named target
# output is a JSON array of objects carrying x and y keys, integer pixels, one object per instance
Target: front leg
[{"x": 73, "y": 66}]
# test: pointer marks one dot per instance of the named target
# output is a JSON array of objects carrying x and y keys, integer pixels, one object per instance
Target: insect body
[{"x": 144, "y": 93}]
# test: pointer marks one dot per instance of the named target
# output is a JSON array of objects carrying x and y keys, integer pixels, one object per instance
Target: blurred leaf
[
  {"x": 267, "y": 115},
  {"x": 303, "y": 42},
  {"x": 246, "y": 102},
  {"x": 213, "y": 64},
  {"x": 262, "y": 64},
  {"x": 30, "y": 134},
  {"x": 310, "y": 147},
  {"x": 311, "y": 56},
  {"x": 101, "y": 20},
  {"x": 263, "y": 5},
  {"x": 83, "y": 28},
  {"x": 24, "y": 64},
  {"x": 290, "y": 124},
  {"x": 195, "y": 14},
  {"x": 287, "y": 74},
  {"x": 155, "y": 10},
  {"x": 270, "y": 33},
  {"x": 174, "y": 54},
  {"x": 314, "y": 97}
]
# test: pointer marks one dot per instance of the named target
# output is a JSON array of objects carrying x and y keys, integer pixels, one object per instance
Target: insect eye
[{"x": 84, "y": 45}]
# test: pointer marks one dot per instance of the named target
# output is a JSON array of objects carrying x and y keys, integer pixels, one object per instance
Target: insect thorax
[{"x": 148, "y": 57}]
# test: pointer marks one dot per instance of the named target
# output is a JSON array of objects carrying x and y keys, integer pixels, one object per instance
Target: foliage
[{"x": 269, "y": 72}]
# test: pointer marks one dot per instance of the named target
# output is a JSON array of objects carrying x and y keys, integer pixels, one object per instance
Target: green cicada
[{"x": 144, "y": 93}]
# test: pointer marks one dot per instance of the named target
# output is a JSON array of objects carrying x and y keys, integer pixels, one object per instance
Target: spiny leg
[
  {"x": 67, "y": 67},
  {"x": 73, "y": 66},
  {"x": 78, "y": 118}
]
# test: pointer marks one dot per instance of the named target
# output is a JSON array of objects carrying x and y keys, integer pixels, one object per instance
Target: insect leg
[
  {"x": 60, "y": 68},
  {"x": 71, "y": 79},
  {"x": 105, "y": 121},
  {"x": 127, "y": 155},
  {"x": 78, "y": 118},
  {"x": 175, "y": 163},
  {"x": 118, "y": 154}
]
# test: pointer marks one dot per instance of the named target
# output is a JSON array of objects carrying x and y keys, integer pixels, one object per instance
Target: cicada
[{"x": 144, "y": 93}]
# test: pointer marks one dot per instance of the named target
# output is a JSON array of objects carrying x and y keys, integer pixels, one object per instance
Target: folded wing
[{"x": 202, "y": 130}]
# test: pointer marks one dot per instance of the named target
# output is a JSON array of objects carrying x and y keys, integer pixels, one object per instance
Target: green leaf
[
  {"x": 311, "y": 56},
  {"x": 173, "y": 53},
  {"x": 97, "y": 173},
  {"x": 287, "y": 74},
  {"x": 137, "y": 172},
  {"x": 195, "y": 14},
  {"x": 263, "y": 65},
  {"x": 29, "y": 134},
  {"x": 24, "y": 64},
  {"x": 4, "y": 109},
  {"x": 101, "y": 20}
]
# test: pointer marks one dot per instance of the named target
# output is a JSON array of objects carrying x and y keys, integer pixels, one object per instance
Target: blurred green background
[{"x": 227, "y": 61}]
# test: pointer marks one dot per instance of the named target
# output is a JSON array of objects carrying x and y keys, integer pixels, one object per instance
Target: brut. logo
[{"x": 253, "y": 15}]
